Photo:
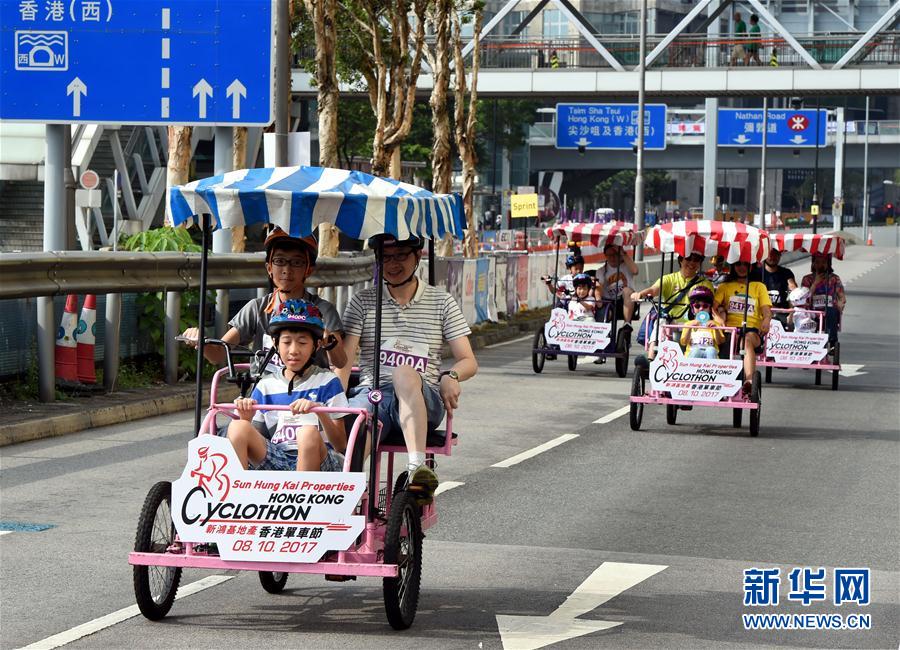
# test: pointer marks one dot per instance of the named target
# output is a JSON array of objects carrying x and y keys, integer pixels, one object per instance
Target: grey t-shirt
[{"x": 252, "y": 321}]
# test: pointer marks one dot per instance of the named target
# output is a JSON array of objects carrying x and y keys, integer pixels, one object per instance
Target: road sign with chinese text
[
  {"x": 137, "y": 61},
  {"x": 609, "y": 126},
  {"x": 743, "y": 127}
]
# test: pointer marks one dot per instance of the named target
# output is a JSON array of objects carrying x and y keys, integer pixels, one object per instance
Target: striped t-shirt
[
  {"x": 317, "y": 385},
  {"x": 430, "y": 318}
]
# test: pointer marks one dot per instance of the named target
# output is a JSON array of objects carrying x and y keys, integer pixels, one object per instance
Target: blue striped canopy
[{"x": 298, "y": 199}]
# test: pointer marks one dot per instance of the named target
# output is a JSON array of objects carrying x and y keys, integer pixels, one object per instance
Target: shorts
[
  {"x": 737, "y": 51},
  {"x": 389, "y": 408},
  {"x": 281, "y": 459},
  {"x": 762, "y": 339}
]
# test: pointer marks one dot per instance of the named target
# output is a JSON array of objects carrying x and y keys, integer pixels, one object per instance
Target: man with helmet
[
  {"x": 417, "y": 319},
  {"x": 289, "y": 440},
  {"x": 616, "y": 277},
  {"x": 289, "y": 262}
]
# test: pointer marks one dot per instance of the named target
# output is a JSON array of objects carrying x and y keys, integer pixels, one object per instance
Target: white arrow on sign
[
  {"x": 76, "y": 88},
  {"x": 204, "y": 90},
  {"x": 852, "y": 370},
  {"x": 742, "y": 139},
  {"x": 583, "y": 142},
  {"x": 236, "y": 90},
  {"x": 798, "y": 139},
  {"x": 605, "y": 583}
]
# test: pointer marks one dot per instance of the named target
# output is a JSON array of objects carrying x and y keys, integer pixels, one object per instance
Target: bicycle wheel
[
  {"x": 736, "y": 417},
  {"x": 622, "y": 348},
  {"x": 768, "y": 374},
  {"x": 273, "y": 581},
  {"x": 403, "y": 547},
  {"x": 756, "y": 397},
  {"x": 671, "y": 413},
  {"x": 636, "y": 411},
  {"x": 836, "y": 360},
  {"x": 538, "y": 358},
  {"x": 572, "y": 361},
  {"x": 155, "y": 586}
]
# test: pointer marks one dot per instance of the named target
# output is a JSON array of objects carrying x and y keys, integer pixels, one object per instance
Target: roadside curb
[{"x": 138, "y": 407}]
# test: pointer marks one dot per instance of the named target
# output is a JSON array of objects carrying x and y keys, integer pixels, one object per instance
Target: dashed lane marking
[
  {"x": 85, "y": 629},
  {"x": 531, "y": 453},
  {"x": 446, "y": 486},
  {"x": 613, "y": 416},
  {"x": 497, "y": 345}
]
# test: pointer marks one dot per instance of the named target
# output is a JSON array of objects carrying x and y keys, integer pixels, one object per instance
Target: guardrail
[{"x": 45, "y": 275}]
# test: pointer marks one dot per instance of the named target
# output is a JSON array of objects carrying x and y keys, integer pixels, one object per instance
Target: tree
[
  {"x": 466, "y": 119},
  {"x": 656, "y": 186},
  {"x": 179, "y": 165},
  {"x": 238, "y": 161}
]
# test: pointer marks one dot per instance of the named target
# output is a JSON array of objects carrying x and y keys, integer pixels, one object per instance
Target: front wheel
[
  {"x": 768, "y": 374},
  {"x": 756, "y": 398},
  {"x": 836, "y": 360},
  {"x": 538, "y": 358},
  {"x": 622, "y": 349},
  {"x": 403, "y": 547},
  {"x": 636, "y": 412},
  {"x": 155, "y": 586},
  {"x": 671, "y": 413},
  {"x": 572, "y": 361},
  {"x": 273, "y": 581},
  {"x": 818, "y": 377},
  {"x": 736, "y": 417}
]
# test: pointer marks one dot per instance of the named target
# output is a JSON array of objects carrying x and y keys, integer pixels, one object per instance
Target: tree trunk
[
  {"x": 238, "y": 161},
  {"x": 179, "y": 165}
]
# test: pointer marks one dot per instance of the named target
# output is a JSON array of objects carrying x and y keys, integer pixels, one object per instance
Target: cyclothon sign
[
  {"x": 576, "y": 336},
  {"x": 694, "y": 380},
  {"x": 795, "y": 347},
  {"x": 263, "y": 516}
]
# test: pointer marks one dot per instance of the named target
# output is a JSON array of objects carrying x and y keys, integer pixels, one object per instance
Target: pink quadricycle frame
[{"x": 831, "y": 365}]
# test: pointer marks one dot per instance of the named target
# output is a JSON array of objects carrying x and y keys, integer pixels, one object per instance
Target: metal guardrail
[{"x": 27, "y": 275}]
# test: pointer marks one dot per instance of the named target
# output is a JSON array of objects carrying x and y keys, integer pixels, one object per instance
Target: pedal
[{"x": 330, "y": 577}]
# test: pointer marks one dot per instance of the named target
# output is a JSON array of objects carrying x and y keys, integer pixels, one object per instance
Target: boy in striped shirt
[{"x": 417, "y": 319}]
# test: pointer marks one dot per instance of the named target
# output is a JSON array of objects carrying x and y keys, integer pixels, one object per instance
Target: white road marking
[
  {"x": 4, "y": 532},
  {"x": 531, "y": 453},
  {"x": 852, "y": 370},
  {"x": 447, "y": 486},
  {"x": 613, "y": 416},
  {"x": 497, "y": 345},
  {"x": 85, "y": 629},
  {"x": 606, "y": 582}
]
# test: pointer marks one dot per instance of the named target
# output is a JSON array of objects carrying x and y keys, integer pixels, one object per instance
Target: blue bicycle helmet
[
  {"x": 572, "y": 260},
  {"x": 582, "y": 279},
  {"x": 298, "y": 315}
]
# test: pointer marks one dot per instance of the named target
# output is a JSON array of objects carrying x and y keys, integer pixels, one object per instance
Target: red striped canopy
[
  {"x": 730, "y": 239},
  {"x": 619, "y": 233},
  {"x": 809, "y": 243}
]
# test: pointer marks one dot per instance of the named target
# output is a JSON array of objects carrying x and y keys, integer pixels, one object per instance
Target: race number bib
[
  {"x": 822, "y": 300},
  {"x": 736, "y": 305},
  {"x": 289, "y": 426},
  {"x": 275, "y": 363},
  {"x": 702, "y": 339},
  {"x": 397, "y": 352}
]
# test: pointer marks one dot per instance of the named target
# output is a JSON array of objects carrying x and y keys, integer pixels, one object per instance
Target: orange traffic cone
[
  {"x": 66, "y": 366},
  {"x": 869, "y": 239},
  {"x": 85, "y": 339}
]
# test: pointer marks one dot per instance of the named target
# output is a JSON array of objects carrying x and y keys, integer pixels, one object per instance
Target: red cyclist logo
[
  {"x": 798, "y": 122},
  {"x": 209, "y": 474}
]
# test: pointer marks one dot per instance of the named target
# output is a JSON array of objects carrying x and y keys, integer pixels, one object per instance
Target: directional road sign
[
  {"x": 609, "y": 126},
  {"x": 137, "y": 61},
  {"x": 742, "y": 127}
]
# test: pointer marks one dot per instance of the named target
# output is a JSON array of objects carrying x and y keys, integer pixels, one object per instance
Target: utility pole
[
  {"x": 639, "y": 174},
  {"x": 282, "y": 81},
  {"x": 815, "y": 197},
  {"x": 866, "y": 177}
]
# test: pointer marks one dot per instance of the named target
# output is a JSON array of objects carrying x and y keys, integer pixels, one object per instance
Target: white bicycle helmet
[{"x": 799, "y": 297}]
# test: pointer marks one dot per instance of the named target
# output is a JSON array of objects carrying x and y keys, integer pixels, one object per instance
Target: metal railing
[{"x": 29, "y": 275}]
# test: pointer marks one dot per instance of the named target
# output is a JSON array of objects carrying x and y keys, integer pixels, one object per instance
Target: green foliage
[
  {"x": 151, "y": 307},
  {"x": 656, "y": 186}
]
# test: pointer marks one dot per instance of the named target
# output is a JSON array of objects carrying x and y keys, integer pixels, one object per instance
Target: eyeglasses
[
  {"x": 701, "y": 304},
  {"x": 396, "y": 257},
  {"x": 293, "y": 262}
]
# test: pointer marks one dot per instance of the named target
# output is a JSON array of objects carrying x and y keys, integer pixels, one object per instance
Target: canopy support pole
[
  {"x": 204, "y": 257},
  {"x": 376, "y": 381}
]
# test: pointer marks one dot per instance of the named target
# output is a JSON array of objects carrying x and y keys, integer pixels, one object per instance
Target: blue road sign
[
  {"x": 137, "y": 61},
  {"x": 609, "y": 126},
  {"x": 742, "y": 127}
]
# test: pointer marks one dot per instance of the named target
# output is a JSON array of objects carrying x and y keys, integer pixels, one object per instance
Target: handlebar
[{"x": 245, "y": 380}]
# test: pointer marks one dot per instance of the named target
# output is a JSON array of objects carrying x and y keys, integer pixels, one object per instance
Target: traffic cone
[
  {"x": 869, "y": 239},
  {"x": 66, "y": 360},
  {"x": 87, "y": 330}
]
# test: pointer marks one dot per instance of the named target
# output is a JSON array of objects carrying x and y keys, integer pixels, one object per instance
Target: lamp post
[
  {"x": 639, "y": 172},
  {"x": 815, "y": 197},
  {"x": 866, "y": 176}
]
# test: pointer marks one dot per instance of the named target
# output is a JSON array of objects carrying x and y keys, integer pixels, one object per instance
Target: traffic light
[{"x": 889, "y": 210}]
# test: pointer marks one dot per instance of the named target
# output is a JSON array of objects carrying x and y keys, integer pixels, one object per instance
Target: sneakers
[
  {"x": 627, "y": 328},
  {"x": 747, "y": 388},
  {"x": 422, "y": 483}
]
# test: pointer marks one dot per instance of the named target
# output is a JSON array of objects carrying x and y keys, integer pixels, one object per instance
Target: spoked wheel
[
  {"x": 836, "y": 360},
  {"x": 736, "y": 417},
  {"x": 273, "y": 581},
  {"x": 622, "y": 348},
  {"x": 768, "y": 374},
  {"x": 636, "y": 413},
  {"x": 403, "y": 547},
  {"x": 572, "y": 361},
  {"x": 155, "y": 586},
  {"x": 756, "y": 398},
  {"x": 671, "y": 413},
  {"x": 538, "y": 358}
]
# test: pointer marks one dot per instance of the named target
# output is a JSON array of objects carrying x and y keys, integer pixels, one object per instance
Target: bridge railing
[{"x": 694, "y": 50}]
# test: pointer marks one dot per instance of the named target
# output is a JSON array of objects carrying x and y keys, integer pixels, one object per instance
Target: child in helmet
[
  {"x": 583, "y": 303},
  {"x": 288, "y": 440},
  {"x": 574, "y": 266},
  {"x": 803, "y": 319},
  {"x": 703, "y": 337}
]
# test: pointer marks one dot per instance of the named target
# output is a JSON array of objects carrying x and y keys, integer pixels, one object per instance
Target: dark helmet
[
  {"x": 572, "y": 260},
  {"x": 582, "y": 279},
  {"x": 297, "y": 315},
  {"x": 278, "y": 237},
  {"x": 701, "y": 294},
  {"x": 416, "y": 243}
]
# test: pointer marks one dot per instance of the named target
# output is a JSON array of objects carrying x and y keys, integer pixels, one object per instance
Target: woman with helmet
[
  {"x": 289, "y": 440},
  {"x": 289, "y": 262},
  {"x": 583, "y": 304},
  {"x": 704, "y": 337},
  {"x": 826, "y": 292}
]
